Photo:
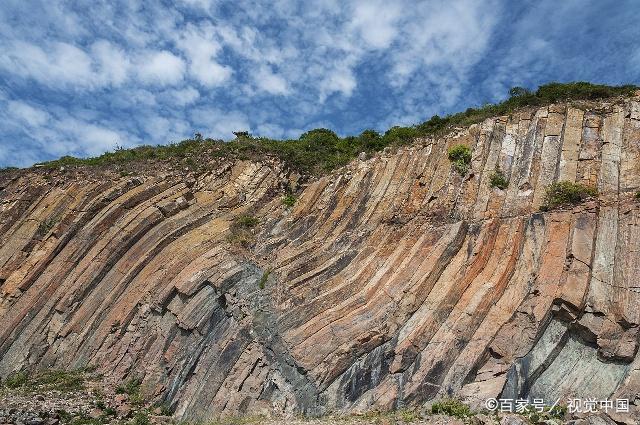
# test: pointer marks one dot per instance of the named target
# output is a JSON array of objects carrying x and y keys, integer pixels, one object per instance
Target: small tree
[
  {"x": 289, "y": 200},
  {"x": 565, "y": 193},
  {"x": 460, "y": 157},
  {"x": 519, "y": 91},
  {"x": 241, "y": 134},
  {"x": 498, "y": 179}
]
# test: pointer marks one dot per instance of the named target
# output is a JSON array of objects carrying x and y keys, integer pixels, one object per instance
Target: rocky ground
[
  {"x": 53, "y": 397},
  {"x": 78, "y": 398}
]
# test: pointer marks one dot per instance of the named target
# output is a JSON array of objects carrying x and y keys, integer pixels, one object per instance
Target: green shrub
[
  {"x": 451, "y": 407},
  {"x": 61, "y": 380},
  {"x": 264, "y": 278},
  {"x": 165, "y": 409},
  {"x": 548, "y": 414},
  {"x": 409, "y": 415},
  {"x": 65, "y": 417},
  {"x": 289, "y": 201},
  {"x": 239, "y": 420},
  {"x": 16, "y": 380},
  {"x": 321, "y": 137},
  {"x": 246, "y": 221},
  {"x": 370, "y": 140},
  {"x": 638, "y": 194},
  {"x": 434, "y": 125},
  {"x": 140, "y": 418},
  {"x": 241, "y": 230},
  {"x": 133, "y": 388},
  {"x": 498, "y": 179},
  {"x": 565, "y": 193},
  {"x": 460, "y": 157},
  {"x": 50, "y": 379},
  {"x": 45, "y": 226},
  {"x": 400, "y": 135}
]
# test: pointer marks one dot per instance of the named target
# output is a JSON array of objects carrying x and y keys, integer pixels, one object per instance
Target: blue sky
[{"x": 82, "y": 77}]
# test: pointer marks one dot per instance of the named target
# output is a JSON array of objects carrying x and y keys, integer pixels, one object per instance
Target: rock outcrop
[{"x": 390, "y": 282}]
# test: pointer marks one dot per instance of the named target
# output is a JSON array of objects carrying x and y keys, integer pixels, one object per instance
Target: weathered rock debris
[{"x": 391, "y": 282}]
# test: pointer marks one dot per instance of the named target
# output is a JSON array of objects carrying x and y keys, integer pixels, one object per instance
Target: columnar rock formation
[{"x": 391, "y": 282}]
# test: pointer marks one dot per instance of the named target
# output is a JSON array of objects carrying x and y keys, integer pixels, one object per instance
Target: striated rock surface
[{"x": 391, "y": 282}]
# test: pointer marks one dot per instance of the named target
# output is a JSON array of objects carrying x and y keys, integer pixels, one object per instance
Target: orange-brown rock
[{"x": 391, "y": 282}]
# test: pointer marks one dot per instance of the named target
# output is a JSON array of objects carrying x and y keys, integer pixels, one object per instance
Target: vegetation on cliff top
[{"x": 321, "y": 150}]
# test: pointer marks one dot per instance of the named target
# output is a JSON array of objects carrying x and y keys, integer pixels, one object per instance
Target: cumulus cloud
[
  {"x": 376, "y": 21},
  {"x": 59, "y": 64},
  {"x": 112, "y": 63},
  {"x": 201, "y": 46},
  {"x": 270, "y": 82},
  {"x": 162, "y": 68},
  {"x": 55, "y": 135},
  {"x": 183, "y": 97},
  {"x": 27, "y": 114}
]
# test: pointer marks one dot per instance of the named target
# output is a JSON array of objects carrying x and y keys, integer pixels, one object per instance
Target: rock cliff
[{"x": 390, "y": 282}]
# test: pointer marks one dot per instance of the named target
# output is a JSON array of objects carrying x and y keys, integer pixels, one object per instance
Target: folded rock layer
[{"x": 389, "y": 283}]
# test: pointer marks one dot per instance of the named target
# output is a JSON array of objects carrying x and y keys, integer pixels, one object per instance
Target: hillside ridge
[{"x": 393, "y": 281}]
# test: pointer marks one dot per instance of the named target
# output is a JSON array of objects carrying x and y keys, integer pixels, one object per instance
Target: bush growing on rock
[
  {"x": 247, "y": 221},
  {"x": 565, "y": 193},
  {"x": 451, "y": 407},
  {"x": 498, "y": 179},
  {"x": 241, "y": 230},
  {"x": 264, "y": 278},
  {"x": 289, "y": 201},
  {"x": 133, "y": 389},
  {"x": 400, "y": 135},
  {"x": 460, "y": 157}
]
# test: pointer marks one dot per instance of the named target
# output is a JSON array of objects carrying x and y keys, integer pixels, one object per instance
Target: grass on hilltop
[{"x": 321, "y": 150}]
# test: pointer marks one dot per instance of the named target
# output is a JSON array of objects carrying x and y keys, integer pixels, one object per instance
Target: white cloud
[
  {"x": 201, "y": 48},
  {"x": 184, "y": 97},
  {"x": 58, "y": 135},
  {"x": 443, "y": 41},
  {"x": 203, "y": 4},
  {"x": 88, "y": 138},
  {"x": 161, "y": 67},
  {"x": 270, "y": 82},
  {"x": 61, "y": 63},
  {"x": 27, "y": 114},
  {"x": 340, "y": 80},
  {"x": 375, "y": 21},
  {"x": 112, "y": 62}
]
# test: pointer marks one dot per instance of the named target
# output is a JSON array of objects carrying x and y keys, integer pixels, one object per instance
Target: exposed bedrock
[{"x": 391, "y": 282}]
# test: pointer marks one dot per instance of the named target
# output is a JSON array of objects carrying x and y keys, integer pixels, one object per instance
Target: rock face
[{"x": 391, "y": 282}]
